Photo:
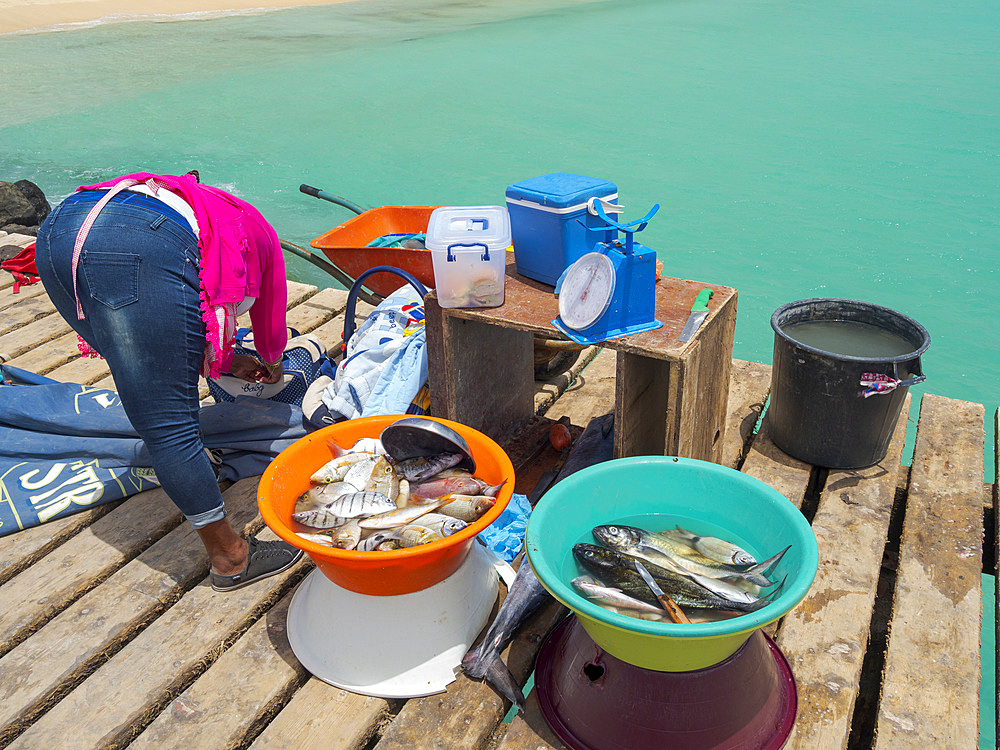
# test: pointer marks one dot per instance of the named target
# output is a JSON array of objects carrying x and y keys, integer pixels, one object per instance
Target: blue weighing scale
[{"x": 609, "y": 293}]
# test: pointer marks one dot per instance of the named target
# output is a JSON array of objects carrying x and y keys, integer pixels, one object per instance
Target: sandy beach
[{"x": 22, "y": 15}]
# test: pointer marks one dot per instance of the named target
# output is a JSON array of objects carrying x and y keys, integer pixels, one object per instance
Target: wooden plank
[
  {"x": 705, "y": 387},
  {"x": 646, "y": 392},
  {"x": 44, "y": 359},
  {"x": 825, "y": 637},
  {"x": 24, "y": 548},
  {"x": 237, "y": 694},
  {"x": 157, "y": 665},
  {"x": 768, "y": 463},
  {"x": 52, "y": 583},
  {"x": 42, "y": 669},
  {"x": 24, "y": 312},
  {"x": 528, "y": 731},
  {"x": 32, "y": 335},
  {"x": 930, "y": 694},
  {"x": 322, "y": 717},
  {"x": 16, "y": 238},
  {"x": 8, "y": 298},
  {"x": 749, "y": 384},
  {"x": 318, "y": 309},
  {"x": 83, "y": 370},
  {"x": 467, "y": 713}
]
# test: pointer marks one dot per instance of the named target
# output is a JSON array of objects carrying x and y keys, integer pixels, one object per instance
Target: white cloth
[{"x": 385, "y": 364}]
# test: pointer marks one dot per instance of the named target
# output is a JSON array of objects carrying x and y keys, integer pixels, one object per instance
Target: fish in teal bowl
[{"x": 659, "y": 493}]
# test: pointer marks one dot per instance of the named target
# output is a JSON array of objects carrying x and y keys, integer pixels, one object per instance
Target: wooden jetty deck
[{"x": 110, "y": 635}]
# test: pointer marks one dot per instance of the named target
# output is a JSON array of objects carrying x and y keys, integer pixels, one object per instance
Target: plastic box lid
[
  {"x": 560, "y": 189},
  {"x": 487, "y": 224}
]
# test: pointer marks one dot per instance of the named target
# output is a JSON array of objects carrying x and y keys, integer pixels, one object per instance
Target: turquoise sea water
[{"x": 798, "y": 149}]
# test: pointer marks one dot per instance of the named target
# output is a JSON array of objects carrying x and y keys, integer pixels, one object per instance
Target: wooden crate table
[{"x": 670, "y": 397}]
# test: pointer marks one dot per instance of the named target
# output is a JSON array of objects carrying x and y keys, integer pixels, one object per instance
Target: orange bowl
[{"x": 391, "y": 572}]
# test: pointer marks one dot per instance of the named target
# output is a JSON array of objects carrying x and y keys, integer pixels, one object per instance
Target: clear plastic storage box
[{"x": 468, "y": 247}]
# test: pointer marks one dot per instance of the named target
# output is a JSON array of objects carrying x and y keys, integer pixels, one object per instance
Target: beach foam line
[{"x": 27, "y": 17}]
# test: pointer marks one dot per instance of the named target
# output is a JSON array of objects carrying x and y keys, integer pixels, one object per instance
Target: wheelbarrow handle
[
  {"x": 322, "y": 194},
  {"x": 352, "y": 296}
]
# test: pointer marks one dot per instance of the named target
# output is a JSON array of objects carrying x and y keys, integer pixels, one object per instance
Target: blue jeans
[{"x": 138, "y": 286}]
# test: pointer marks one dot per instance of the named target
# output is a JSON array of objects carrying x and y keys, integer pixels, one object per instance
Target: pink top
[{"x": 240, "y": 257}]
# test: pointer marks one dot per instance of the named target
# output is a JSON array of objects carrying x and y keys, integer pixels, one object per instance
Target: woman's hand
[
  {"x": 271, "y": 373},
  {"x": 246, "y": 368}
]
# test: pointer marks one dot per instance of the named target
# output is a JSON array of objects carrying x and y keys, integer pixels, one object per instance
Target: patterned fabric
[
  {"x": 385, "y": 366},
  {"x": 303, "y": 358}
]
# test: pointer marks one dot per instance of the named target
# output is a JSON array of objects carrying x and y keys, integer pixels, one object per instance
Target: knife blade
[
  {"x": 675, "y": 612},
  {"x": 699, "y": 311}
]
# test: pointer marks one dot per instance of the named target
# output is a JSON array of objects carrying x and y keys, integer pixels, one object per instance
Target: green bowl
[{"x": 656, "y": 493}]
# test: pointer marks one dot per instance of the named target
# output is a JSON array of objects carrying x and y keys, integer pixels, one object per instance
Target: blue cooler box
[{"x": 549, "y": 217}]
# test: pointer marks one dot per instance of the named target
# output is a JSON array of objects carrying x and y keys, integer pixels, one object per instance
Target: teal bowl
[{"x": 656, "y": 493}]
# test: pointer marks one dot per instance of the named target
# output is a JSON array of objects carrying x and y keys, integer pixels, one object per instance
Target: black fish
[
  {"x": 525, "y": 596},
  {"x": 616, "y": 569}
]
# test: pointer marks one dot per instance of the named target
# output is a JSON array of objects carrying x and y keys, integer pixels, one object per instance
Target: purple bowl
[{"x": 593, "y": 701}]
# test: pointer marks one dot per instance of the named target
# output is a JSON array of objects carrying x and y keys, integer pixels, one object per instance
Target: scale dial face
[{"x": 586, "y": 291}]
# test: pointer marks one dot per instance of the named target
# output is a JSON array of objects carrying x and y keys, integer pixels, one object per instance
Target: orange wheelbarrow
[{"x": 351, "y": 248}]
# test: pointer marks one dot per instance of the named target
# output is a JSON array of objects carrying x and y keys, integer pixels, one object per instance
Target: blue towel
[
  {"x": 505, "y": 536},
  {"x": 66, "y": 447}
]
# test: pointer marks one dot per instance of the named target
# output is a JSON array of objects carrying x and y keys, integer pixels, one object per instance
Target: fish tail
[
  {"x": 500, "y": 677},
  {"x": 337, "y": 450},
  {"x": 762, "y": 568}
]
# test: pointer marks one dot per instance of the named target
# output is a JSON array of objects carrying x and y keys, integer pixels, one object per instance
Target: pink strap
[{"x": 81, "y": 236}]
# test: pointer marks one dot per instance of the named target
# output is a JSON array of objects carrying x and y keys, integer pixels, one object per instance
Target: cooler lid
[{"x": 560, "y": 189}]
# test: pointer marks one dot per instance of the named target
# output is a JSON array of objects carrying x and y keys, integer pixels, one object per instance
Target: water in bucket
[{"x": 849, "y": 338}]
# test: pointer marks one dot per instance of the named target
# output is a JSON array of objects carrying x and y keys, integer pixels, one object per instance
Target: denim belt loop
[{"x": 81, "y": 236}]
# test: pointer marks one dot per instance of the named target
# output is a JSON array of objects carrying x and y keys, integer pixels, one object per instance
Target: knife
[
  {"x": 675, "y": 612},
  {"x": 699, "y": 311}
]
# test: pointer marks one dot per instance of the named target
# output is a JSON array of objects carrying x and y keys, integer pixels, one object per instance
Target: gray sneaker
[{"x": 265, "y": 558}]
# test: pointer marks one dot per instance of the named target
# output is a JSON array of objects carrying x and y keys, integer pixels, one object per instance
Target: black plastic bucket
[{"x": 837, "y": 410}]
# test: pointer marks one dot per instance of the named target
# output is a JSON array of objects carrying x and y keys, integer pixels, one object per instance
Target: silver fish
[
  {"x": 357, "y": 504},
  {"x": 368, "y": 445},
  {"x": 441, "y": 486},
  {"x": 491, "y": 490},
  {"x": 610, "y": 597},
  {"x": 468, "y": 507},
  {"x": 320, "y": 518},
  {"x": 403, "y": 496},
  {"x": 424, "y": 467},
  {"x": 371, "y": 542},
  {"x": 400, "y": 516},
  {"x": 632, "y": 540},
  {"x": 361, "y": 472},
  {"x": 336, "y": 470},
  {"x": 720, "y": 550},
  {"x": 347, "y": 536},
  {"x": 413, "y": 536},
  {"x": 322, "y": 495},
  {"x": 440, "y": 523},
  {"x": 525, "y": 596},
  {"x": 383, "y": 479},
  {"x": 323, "y": 539}
]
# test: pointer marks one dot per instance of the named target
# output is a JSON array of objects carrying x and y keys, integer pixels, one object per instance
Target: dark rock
[
  {"x": 15, "y": 208},
  {"x": 36, "y": 198},
  {"x": 20, "y": 229},
  {"x": 9, "y": 251}
]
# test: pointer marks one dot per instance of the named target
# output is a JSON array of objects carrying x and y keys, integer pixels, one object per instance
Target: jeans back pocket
[{"x": 113, "y": 278}]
